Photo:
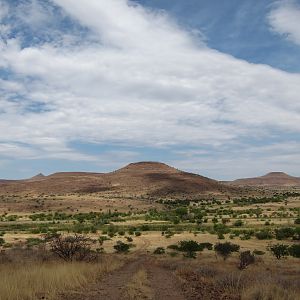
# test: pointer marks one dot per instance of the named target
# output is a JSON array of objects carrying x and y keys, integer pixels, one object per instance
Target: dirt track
[{"x": 162, "y": 283}]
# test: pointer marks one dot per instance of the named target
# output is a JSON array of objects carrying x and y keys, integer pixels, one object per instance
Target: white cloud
[
  {"x": 285, "y": 20},
  {"x": 143, "y": 82}
]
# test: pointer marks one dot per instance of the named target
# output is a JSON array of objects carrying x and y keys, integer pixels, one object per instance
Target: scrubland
[{"x": 145, "y": 248}]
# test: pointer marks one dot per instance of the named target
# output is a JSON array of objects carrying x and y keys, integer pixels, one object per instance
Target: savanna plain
[{"x": 149, "y": 231}]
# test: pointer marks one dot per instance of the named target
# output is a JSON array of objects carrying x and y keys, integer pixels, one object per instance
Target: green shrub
[
  {"x": 121, "y": 247},
  {"x": 207, "y": 246},
  {"x": 190, "y": 248},
  {"x": 244, "y": 237},
  {"x": 221, "y": 228},
  {"x": 284, "y": 233},
  {"x": 145, "y": 227},
  {"x": 294, "y": 250},
  {"x": 279, "y": 250},
  {"x": 226, "y": 249},
  {"x": 238, "y": 223},
  {"x": 264, "y": 235}
]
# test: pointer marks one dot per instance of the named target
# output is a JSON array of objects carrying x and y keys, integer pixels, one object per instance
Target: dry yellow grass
[
  {"x": 267, "y": 292},
  {"x": 33, "y": 281},
  {"x": 138, "y": 287}
]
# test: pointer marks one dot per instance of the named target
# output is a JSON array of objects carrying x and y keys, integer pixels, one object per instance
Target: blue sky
[{"x": 210, "y": 87}]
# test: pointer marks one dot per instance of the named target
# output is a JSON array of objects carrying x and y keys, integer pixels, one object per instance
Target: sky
[{"x": 207, "y": 86}]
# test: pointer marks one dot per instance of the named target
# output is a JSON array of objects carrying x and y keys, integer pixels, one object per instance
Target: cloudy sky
[{"x": 208, "y": 86}]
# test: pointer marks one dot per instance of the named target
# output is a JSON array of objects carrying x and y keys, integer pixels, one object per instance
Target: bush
[
  {"x": 2, "y": 241},
  {"x": 279, "y": 250},
  {"x": 221, "y": 229},
  {"x": 71, "y": 248},
  {"x": 159, "y": 250},
  {"x": 294, "y": 250},
  {"x": 246, "y": 259},
  {"x": 284, "y": 233},
  {"x": 226, "y": 249},
  {"x": 121, "y": 247},
  {"x": 145, "y": 227},
  {"x": 238, "y": 223},
  {"x": 297, "y": 221},
  {"x": 190, "y": 248},
  {"x": 207, "y": 246},
  {"x": 264, "y": 235},
  {"x": 137, "y": 233},
  {"x": 245, "y": 237}
]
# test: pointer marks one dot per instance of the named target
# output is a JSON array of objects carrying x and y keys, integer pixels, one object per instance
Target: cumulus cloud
[
  {"x": 284, "y": 19},
  {"x": 137, "y": 80}
]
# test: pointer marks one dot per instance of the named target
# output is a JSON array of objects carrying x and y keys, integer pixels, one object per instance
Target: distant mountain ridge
[
  {"x": 149, "y": 179},
  {"x": 270, "y": 179}
]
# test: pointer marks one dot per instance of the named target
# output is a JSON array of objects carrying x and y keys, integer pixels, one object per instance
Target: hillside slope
[{"x": 151, "y": 179}]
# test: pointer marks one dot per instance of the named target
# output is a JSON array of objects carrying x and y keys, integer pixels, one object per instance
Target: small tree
[
  {"x": 190, "y": 248},
  {"x": 246, "y": 259},
  {"x": 71, "y": 248},
  {"x": 226, "y": 249},
  {"x": 279, "y": 250}
]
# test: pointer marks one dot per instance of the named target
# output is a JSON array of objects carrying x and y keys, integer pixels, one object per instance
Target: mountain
[
  {"x": 147, "y": 179},
  {"x": 270, "y": 179}
]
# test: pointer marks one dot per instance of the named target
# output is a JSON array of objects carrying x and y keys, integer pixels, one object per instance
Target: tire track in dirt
[{"x": 162, "y": 282}]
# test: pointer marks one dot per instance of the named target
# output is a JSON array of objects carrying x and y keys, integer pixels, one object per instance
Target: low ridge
[{"x": 270, "y": 179}]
